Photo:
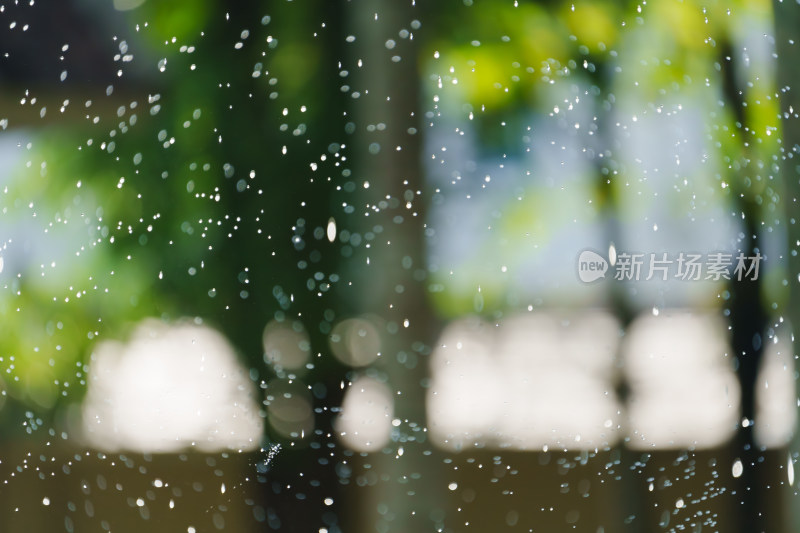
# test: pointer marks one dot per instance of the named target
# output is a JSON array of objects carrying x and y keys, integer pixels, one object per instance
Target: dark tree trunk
[
  {"x": 389, "y": 276},
  {"x": 787, "y": 43}
]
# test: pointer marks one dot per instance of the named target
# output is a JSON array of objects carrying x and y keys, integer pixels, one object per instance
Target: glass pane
[{"x": 391, "y": 266}]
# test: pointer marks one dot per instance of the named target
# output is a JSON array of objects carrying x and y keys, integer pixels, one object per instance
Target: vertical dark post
[
  {"x": 389, "y": 275},
  {"x": 386, "y": 147},
  {"x": 748, "y": 320},
  {"x": 629, "y": 489},
  {"x": 787, "y": 44}
]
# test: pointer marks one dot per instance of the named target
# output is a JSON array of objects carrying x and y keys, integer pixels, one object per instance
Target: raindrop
[
  {"x": 331, "y": 230},
  {"x": 737, "y": 468}
]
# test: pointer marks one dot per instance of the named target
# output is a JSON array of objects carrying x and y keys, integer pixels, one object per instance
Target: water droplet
[
  {"x": 331, "y": 231},
  {"x": 737, "y": 468}
]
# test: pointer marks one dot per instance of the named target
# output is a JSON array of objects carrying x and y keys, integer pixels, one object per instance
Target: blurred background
[{"x": 313, "y": 266}]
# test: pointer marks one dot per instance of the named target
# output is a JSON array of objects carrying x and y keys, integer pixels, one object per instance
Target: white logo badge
[{"x": 591, "y": 266}]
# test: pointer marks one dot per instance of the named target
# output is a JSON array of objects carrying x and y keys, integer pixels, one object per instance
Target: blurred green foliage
[
  {"x": 191, "y": 193},
  {"x": 498, "y": 62},
  {"x": 207, "y": 189}
]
